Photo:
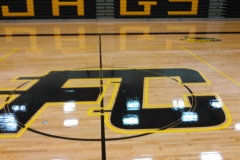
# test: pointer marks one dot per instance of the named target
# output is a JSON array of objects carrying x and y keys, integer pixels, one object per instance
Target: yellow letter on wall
[
  {"x": 146, "y": 4},
  {"x": 56, "y": 4},
  {"x": 193, "y": 11},
  {"x": 30, "y": 11}
]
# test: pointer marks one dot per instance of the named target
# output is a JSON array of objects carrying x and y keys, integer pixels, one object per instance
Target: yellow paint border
[
  {"x": 170, "y": 105},
  {"x": 98, "y": 69},
  {"x": 227, "y": 122},
  {"x": 41, "y": 110},
  {"x": 29, "y": 85},
  {"x": 109, "y": 106},
  {"x": 12, "y": 98},
  {"x": 109, "y": 80}
]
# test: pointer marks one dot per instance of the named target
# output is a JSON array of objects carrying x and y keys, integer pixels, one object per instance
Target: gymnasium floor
[{"x": 120, "y": 90}]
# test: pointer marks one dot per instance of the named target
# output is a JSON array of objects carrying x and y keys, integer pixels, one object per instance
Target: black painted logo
[{"x": 127, "y": 111}]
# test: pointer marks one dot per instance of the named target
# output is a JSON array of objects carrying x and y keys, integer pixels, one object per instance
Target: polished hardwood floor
[{"x": 45, "y": 116}]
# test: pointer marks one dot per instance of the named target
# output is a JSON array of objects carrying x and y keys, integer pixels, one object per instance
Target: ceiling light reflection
[
  {"x": 211, "y": 156},
  {"x": 237, "y": 126},
  {"x": 133, "y": 104},
  {"x": 178, "y": 104},
  {"x": 19, "y": 108},
  {"x": 143, "y": 159},
  {"x": 70, "y": 91},
  {"x": 8, "y": 122},
  {"x": 70, "y": 122},
  {"x": 130, "y": 119},
  {"x": 189, "y": 117},
  {"x": 215, "y": 103},
  {"x": 69, "y": 107}
]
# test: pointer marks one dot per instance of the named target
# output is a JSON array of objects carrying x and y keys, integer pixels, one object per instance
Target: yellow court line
[
  {"x": 90, "y": 111},
  {"x": 14, "y": 50},
  {"x": 30, "y": 84},
  {"x": 146, "y": 104},
  {"x": 220, "y": 72},
  {"x": 12, "y": 97}
]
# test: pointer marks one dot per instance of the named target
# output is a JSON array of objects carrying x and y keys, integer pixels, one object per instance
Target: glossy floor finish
[{"x": 120, "y": 91}]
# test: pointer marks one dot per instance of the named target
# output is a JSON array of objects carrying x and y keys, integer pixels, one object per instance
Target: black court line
[
  {"x": 112, "y": 34},
  {"x": 102, "y": 105}
]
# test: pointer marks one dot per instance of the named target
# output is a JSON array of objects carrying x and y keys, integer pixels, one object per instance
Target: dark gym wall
[
  {"x": 45, "y": 9},
  {"x": 233, "y": 9},
  {"x": 80, "y": 9}
]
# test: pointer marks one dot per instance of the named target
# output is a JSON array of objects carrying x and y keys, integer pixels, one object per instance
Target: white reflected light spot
[
  {"x": 133, "y": 104},
  {"x": 143, "y": 159},
  {"x": 178, "y": 104},
  {"x": 70, "y": 122},
  {"x": 69, "y": 106},
  {"x": 8, "y": 122},
  {"x": 130, "y": 119},
  {"x": 215, "y": 104},
  {"x": 70, "y": 91},
  {"x": 189, "y": 117},
  {"x": 19, "y": 108},
  {"x": 237, "y": 126},
  {"x": 211, "y": 156}
]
